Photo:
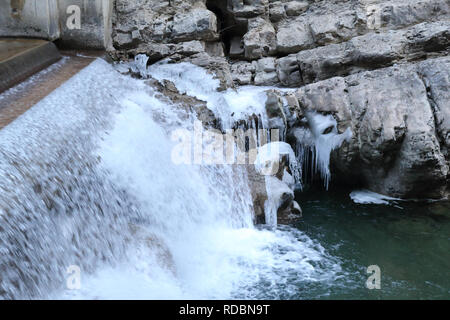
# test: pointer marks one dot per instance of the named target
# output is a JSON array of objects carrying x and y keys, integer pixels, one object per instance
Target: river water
[
  {"x": 89, "y": 184},
  {"x": 409, "y": 241}
]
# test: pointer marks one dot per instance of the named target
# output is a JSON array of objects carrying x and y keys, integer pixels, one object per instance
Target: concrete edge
[{"x": 15, "y": 70}]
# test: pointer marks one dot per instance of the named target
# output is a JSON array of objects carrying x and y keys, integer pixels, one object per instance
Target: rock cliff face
[
  {"x": 378, "y": 67},
  {"x": 400, "y": 140}
]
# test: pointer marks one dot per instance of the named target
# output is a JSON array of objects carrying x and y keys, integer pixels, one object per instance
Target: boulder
[
  {"x": 265, "y": 72},
  {"x": 243, "y": 72},
  {"x": 276, "y": 11},
  {"x": 190, "y": 48},
  {"x": 291, "y": 214},
  {"x": 288, "y": 70},
  {"x": 215, "y": 49},
  {"x": 124, "y": 40},
  {"x": 295, "y": 8},
  {"x": 260, "y": 40},
  {"x": 334, "y": 27},
  {"x": 294, "y": 36},
  {"x": 248, "y": 8},
  {"x": 196, "y": 24}
]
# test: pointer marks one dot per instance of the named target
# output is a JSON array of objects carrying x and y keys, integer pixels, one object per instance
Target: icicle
[{"x": 326, "y": 139}]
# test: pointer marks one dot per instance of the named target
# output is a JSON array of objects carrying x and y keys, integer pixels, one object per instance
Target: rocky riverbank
[{"x": 378, "y": 69}]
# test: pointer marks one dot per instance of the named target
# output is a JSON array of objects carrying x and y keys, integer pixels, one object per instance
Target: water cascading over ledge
[{"x": 88, "y": 181}]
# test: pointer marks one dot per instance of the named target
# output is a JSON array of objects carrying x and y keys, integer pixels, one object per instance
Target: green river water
[{"x": 409, "y": 241}]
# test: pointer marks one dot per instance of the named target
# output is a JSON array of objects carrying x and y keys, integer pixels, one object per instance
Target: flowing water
[{"x": 88, "y": 181}]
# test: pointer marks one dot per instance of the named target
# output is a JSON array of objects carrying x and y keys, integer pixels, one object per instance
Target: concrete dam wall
[{"x": 77, "y": 24}]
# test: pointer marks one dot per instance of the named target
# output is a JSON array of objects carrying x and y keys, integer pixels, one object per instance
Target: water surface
[{"x": 409, "y": 241}]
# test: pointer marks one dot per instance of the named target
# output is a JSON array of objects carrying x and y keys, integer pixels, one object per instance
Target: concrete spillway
[
  {"x": 21, "y": 58},
  {"x": 31, "y": 84}
]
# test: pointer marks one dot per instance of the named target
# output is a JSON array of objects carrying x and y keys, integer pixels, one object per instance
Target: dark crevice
[
  {"x": 300, "y": 72},
  {"x": 231, "y": 30}
]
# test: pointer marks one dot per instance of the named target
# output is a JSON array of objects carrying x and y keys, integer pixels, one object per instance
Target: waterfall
[{"x": 88, "y": 181}]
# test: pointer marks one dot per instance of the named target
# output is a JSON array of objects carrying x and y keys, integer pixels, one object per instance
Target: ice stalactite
[{"x": 315, "y": 145}]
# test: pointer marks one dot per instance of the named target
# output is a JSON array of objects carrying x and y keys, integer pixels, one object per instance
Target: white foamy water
[{"x": 87, "y": 180}]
